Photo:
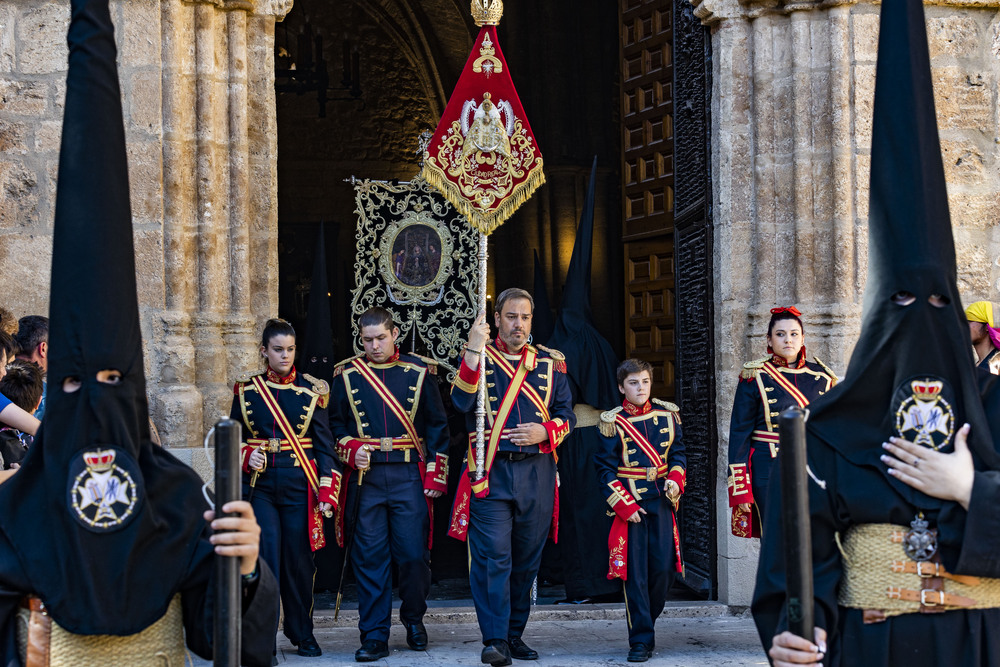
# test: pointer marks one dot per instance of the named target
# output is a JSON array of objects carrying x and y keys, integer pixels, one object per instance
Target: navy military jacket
[
  {"x": 760, "y": 398},
  {"x": 628, "y": 471},
  {"x": 545, "y": 398},
  {"x": 360, "y": 415},
  {"x": 302, "y": 400}
]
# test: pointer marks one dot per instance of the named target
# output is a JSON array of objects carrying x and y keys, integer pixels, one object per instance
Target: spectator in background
[
  {"x": 8, "y": 323},
  {"x": 985, "y": 338},
  {"x": 10, "y": 414},
  {"x": 22, "y": 385},
  {"x": 32, "y": 341}
]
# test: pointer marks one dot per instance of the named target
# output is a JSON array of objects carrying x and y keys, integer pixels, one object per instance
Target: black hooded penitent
[
  {"x": 590, "y": 364},
  {"x": 103, "y": 523},
  {"x": 911, "y": 372}
]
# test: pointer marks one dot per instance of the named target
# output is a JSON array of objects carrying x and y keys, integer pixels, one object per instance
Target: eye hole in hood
[{"x": 903, "y": 298}]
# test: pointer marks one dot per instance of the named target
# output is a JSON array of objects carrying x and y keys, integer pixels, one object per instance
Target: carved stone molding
[
  {"x": 276, "y": 8},
  {"x": 713, "y": 11}
]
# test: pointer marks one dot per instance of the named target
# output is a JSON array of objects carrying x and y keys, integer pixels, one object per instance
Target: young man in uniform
[{"x": 392, "y": 435}]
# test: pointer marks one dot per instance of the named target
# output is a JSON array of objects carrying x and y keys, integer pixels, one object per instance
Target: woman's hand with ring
[{"x": 945, "y": 476}]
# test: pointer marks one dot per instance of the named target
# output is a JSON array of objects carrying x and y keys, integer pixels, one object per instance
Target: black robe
[
  {"x": 260, "y": 607},
  {"x": 855, "y": 495}
]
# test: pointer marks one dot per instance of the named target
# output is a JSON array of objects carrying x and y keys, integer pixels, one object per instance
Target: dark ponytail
[{"x": 276, "y": 327}]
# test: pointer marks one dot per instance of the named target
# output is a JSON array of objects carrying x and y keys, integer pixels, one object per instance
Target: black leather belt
[{"x": 514, "y": 456}]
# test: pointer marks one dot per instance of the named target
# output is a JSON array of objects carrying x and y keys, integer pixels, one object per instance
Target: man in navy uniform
[
  {"x": 508, "y": 513},
  {"x": 392, "y": 435}
]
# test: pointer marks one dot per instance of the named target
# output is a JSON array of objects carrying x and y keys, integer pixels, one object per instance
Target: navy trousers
[
  {"x": 281, "y": 504},
  {"x": 507, "y": 531},
  {"x": 651, "y": 559},
  {"x": 392, "y": 528}
]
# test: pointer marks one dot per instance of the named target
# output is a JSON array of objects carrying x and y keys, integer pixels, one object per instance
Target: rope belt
[
  {"x": 769, "y": 437},
  {"x": 388, "y": 444},
  {"x": 42, "y": 641},
  {"x": 649, "y": 474},
  {"x": 883, "y": 581},
  {"x": 275, "y": 445}
]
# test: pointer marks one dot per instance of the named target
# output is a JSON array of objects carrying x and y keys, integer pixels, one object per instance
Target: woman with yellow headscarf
[{"x": 985, "y": 337}]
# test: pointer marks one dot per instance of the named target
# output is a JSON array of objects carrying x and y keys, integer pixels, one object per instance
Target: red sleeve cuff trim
[
  {"x": 467, "y": 375},
  {"x": 557, "y": 430},
  {"x": 740, "y": 490},
  {"x": 678, "y": 475},
  {"x": 436, "y": 477},
  {"x": 346, "y": 450},
  {"x": 621, "y": 501},
  {"x": 329, "y": 488},
  {"x": 246, "y": 451}
]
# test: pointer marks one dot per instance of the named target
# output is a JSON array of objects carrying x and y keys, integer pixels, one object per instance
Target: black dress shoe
[
  {"x": 496, "y": 653},
  {"x": 639, "y": 653},
  {"x": 416, "y": 636},
  {"x": 371, "y": 651},
  {"x": 308, "y": 648},
  {"x": 520, "y": 650}
]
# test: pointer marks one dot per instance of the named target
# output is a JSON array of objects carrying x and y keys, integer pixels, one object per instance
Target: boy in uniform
[{"x": 643, "y": 465}]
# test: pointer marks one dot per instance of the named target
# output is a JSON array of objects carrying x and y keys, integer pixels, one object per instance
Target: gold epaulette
[
  {"x": 672, "y": 407},
  {"x": 432, "y": 364},
  {"x": 321, "y": 387},
  {"x": 246, "y": 376},
  {"x": 558, "y": 358},
  {"x": 555, "y": 354},
  {"x": 338, "y": 368},
  {"x": 828, "y": 370},
  {"x": 751, "y": 368},
  {"x": 607, "y": 425}
]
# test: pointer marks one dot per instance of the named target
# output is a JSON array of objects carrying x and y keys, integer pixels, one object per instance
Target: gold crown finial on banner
[{"x": 487, "y": 12}]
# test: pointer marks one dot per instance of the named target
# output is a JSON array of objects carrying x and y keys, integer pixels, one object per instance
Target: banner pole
[{"x": 481, "y": 394}]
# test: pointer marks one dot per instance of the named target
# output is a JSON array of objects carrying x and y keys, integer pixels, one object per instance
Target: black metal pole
[
  {"x": 795, "y": 522},
  {"x": 226, "y": 640}
]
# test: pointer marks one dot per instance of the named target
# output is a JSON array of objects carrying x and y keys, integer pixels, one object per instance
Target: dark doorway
[
  {"x": 667, "y": 238},
  {"x": 390, "y": 67}
]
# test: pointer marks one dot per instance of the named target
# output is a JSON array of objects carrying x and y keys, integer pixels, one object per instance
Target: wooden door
[
  {"x": 667, "y": 238},
  {"x": 648, "y": 185}
]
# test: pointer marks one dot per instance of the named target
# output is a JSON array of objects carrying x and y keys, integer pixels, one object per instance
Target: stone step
[{"x": 456, "y": 613}]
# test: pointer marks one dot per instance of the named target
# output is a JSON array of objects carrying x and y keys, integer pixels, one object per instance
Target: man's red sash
[
  {"x": 390, "y": 399},
  {"x": 482, "y": 487}
]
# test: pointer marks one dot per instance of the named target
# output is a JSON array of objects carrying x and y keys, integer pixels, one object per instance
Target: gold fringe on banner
[{"x": 484, "y": 221}]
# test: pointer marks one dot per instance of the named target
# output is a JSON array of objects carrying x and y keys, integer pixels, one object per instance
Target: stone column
[
  {"x": 220, "y": 217},
  {"x": 793, "y": 84}
]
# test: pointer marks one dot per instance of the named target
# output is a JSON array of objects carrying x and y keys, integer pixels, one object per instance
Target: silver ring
[{"x": 916, "y": 463}]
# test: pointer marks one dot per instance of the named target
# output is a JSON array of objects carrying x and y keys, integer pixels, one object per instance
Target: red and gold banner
[{"x": 483, "y": 157}]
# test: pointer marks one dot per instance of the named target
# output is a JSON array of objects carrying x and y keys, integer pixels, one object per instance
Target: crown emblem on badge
[
  {"x": 487, "y": 12},
  {"x": 100, "y": 461},
  {"x": 923, "y": 415},
  {"x": 103, "y": 492},
  {"x": 926, "y": 390}
]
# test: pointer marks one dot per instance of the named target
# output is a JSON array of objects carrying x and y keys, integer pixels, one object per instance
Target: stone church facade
[{"x": 791, "y": 101}]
